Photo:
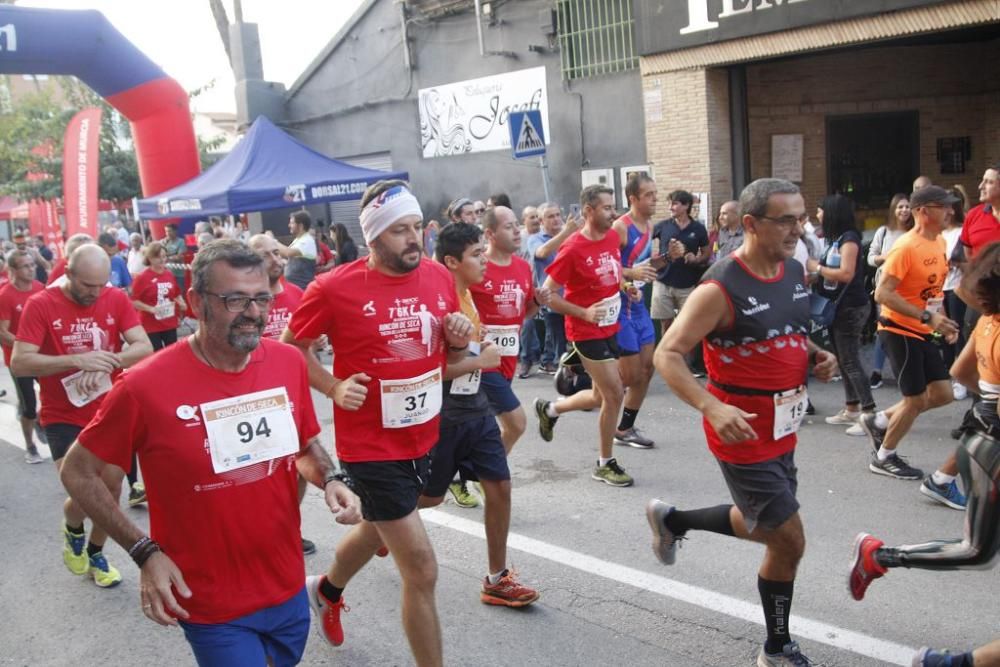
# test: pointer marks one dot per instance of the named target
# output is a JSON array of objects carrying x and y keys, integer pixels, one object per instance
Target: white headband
[{"x": 386, "y": 209}]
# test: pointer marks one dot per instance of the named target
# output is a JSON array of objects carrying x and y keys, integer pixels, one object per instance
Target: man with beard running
[
  {"x": 589, "y": 267},
  {"x": 394, "y": 325},
  {"x": 221, "y": 446},
  {"x": 636, "y": 337},
  {"x": 752, "y": 311},
  {"x": 70, "y": 338}
]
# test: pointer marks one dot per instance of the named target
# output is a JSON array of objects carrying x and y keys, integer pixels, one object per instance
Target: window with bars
[{"x": 596, "y": 37}]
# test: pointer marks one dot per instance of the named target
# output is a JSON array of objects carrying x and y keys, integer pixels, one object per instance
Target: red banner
[
  {"x": 81, "y": 165},
  {"x": 43, "y": 220}
]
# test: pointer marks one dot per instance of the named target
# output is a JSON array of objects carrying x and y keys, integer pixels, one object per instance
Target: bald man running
[{"x": 70, "y": 338}]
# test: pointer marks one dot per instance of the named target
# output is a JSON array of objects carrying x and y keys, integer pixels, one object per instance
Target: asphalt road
[{"x": 584, "y": 545}]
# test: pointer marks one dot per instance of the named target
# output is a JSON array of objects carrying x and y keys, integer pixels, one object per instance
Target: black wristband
[
  {"x": 458, "y": 349},
  {"x": 142, "y": 550},
  {"x": 339, "y": 476}
]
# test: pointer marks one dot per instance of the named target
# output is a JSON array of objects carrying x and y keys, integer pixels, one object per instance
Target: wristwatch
[{"x": 925, "y": 317}]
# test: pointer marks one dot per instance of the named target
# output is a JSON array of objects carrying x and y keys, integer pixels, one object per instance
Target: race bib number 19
[
  {"x": 244, "y": 430},
  {"x": 789, "y": 409},
  {"x": 411, "y": 401}
]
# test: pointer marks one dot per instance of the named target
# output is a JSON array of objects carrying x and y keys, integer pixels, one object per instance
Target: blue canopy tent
[{"x": 267, "y": 169}]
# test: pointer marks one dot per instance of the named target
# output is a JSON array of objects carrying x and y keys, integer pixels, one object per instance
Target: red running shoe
[
  {"x": 865, "y": 568},
  {"x": 507, "y": 592},
  {"x": 327, "y": 612}
]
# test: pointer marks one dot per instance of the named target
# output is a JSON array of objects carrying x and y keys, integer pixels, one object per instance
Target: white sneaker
[
  {"x": 856, "y": 430},
  {"x": 843, "y": 418},
  {"x": 959, "y": 391}
]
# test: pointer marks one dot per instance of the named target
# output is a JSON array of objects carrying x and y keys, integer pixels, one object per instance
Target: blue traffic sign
[{"x": 527, "y": 137}]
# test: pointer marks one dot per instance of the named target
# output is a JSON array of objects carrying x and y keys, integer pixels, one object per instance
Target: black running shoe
[
  {"x": 895, "y": 466},
  {"x": 545, "y": 422}
]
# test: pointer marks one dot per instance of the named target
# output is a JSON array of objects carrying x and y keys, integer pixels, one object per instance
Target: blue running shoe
[
  {"x": 929, "y": 657},
  {"x": 946, "y": 494}
]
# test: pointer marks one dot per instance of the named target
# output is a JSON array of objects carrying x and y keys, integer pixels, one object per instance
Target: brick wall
[
  {"x": 953, "y": 96},
  {"x": 689, "y": 147}
]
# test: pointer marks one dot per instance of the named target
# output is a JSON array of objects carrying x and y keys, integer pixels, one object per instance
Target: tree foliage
[{"x": 39, "y": 120}]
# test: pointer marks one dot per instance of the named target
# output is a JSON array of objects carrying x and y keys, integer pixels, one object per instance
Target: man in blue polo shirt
[{"x": 684, "y": 242}]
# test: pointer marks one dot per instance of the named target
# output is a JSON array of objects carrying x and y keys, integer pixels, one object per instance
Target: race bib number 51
[
  {"x": 411, "y": 401},
  {"x": 244, "y": 430}
]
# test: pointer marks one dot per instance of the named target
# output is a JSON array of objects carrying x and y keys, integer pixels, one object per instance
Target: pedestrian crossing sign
[{"x": 527, "y": 138}]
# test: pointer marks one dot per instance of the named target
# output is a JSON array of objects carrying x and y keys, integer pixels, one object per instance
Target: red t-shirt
[
  {"x": 59, "y": 326},
  {"x": 590, "y": 271},
  {"x": 980, "y": 229},
  {"x": 234, "y": 535},
  {"x": 57, "y": 270},
  {"x": 389, "y": 327},
  {"x": 12, "y": 302},
  {"x": 281, "y": 311},
  {"x": 323, "y": 253},
  {"x": 502, "y": 299},
  {"x": 152, "y": 288}
]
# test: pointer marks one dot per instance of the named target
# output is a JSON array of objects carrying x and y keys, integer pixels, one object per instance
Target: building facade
[
  {"x": 426, "y": 86},
  {"x": 857, "y": 97}
]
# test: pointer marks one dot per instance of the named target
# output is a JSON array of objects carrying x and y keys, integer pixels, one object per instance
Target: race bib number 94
[
  {"x": 411, "y": 401},
  {"x": 248, "y": 429}
]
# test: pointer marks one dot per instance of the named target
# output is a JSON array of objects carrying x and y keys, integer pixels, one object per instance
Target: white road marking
[{"x": 817, "y": 631}]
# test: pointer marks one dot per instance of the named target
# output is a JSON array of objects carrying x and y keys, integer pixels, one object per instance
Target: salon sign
[{"x": 472, "y": 116}]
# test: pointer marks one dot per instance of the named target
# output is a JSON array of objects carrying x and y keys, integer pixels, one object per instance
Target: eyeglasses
[
  {"x": 238, "y": 303},
  {"x": 480, "y": 211},
  {"x": 785, "y": 220}
]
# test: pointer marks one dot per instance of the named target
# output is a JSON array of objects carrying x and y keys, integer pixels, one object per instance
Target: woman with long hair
[
  {"x": 899, "y": 222},
  {"x": 343, "y": 244},
  {"x": 840, "y": 276}
]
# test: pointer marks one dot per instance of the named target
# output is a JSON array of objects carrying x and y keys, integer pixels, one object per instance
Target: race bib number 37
[
  {"x": 248, "y": 429},
  {"x": 411, "y": 401}
]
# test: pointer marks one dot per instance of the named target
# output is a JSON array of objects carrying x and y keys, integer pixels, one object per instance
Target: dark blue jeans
[
  {"x": 531, "y": 348},
  {"x": 555, "y": 338}
]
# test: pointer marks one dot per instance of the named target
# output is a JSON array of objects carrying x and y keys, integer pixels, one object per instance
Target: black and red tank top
[{"x": 763, "y": 352}]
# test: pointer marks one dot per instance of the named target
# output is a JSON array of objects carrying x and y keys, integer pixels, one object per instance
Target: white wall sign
[
  {"x": 471, "y": 116},
  {"x": 786, "y": 157},
  {"x": 605, "y": 177}
]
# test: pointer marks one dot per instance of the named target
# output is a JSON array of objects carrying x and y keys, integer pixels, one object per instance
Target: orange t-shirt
[
  {"x": 987, "y": 337},
  {"x": 921, "y": 266}
]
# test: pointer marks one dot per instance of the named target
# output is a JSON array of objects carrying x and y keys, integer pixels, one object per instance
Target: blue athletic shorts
[
  {"x": 636, "y": 329},
  {"x": 499, "y": 392},
  {"x": 473, "y": 445},
  {"x": 279, "y": 633}
]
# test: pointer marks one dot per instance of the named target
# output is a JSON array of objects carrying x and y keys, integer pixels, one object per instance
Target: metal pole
[
  {"x": 545, "y": 175},
  {"x": 479, "y": 30}
]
